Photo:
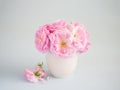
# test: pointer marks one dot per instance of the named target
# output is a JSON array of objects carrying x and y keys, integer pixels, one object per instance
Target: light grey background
[{"x": 98, "y": 69}]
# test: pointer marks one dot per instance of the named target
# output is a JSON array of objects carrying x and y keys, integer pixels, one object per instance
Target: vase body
[{"x": 60, "y": 66}]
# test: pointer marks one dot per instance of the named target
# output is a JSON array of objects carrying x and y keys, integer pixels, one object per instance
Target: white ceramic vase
[{"x": 61, "y": 67}]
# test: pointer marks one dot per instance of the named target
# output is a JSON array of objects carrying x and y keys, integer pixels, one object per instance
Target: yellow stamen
[
  {"x": 75, "y": 35},
  {"x": 63, "y": 44},
  {"x": 40, "y": 38}
]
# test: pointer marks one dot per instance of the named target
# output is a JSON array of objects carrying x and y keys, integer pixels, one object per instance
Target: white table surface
[{"x": 98, "y": 69}]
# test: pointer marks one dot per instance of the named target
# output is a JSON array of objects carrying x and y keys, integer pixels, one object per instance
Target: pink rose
[
  {"x": 30, "y": 76},
  {"x": 35, "y": 75},
  {"x": 80, "y": 37},
  {"x": 61, "y": 43},
  {"x": 42, "y": 40}
]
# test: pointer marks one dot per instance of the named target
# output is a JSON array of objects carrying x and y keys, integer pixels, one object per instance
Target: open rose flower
[
  {"x": 80, "y": 37},
  {"x": 30, "y": 76},
  {"x": 42, "y": 40},
  {"x": 61, "y": 43},
  {"x": 35, "y": 75}
]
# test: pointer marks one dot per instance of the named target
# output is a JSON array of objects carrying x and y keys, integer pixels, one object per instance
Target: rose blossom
[
  {"x": 35, "y": 75},
  {"x": 30, "y": 76},
  {"x": 80, "y": 37},
  {"x": 61, "y": 43},
  {"x": 42, "y": 40}
]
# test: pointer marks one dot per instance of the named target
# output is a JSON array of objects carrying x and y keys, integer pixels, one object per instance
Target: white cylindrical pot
[{"x": 61, "y": 67}]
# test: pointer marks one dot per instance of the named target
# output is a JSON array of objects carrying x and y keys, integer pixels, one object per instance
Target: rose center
[
  {"x": 63, "y": 44},
  {"x": 75, "y": 35},
  {"x": 40, "y": 38}
]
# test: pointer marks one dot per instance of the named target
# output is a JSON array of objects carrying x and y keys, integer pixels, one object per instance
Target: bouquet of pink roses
[{"x": 62, "y": 39}]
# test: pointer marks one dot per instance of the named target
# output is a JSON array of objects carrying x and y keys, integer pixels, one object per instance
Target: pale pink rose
[
  {"x": 58, "y": 25},
  {"x": 61, "y": 43},
  {"x": 80, "y": 37},
  {"x": 42, "y": 40},
  {"x": 30, "y": 76},
  {"x": 35, "y": 75}
]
